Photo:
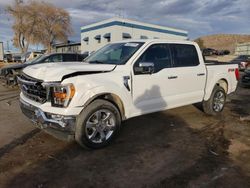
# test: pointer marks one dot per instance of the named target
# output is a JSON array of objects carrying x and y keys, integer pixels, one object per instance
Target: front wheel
[
  {"x": 98, "y": 124},
  {"x": 215, "y": 104}
]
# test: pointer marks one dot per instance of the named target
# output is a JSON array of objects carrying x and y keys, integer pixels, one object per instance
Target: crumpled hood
[
  {"x": 53, "y": 72},
  {"x": 15, "y": 66}
]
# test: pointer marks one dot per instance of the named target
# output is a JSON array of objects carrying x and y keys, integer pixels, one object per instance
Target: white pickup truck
[{"x": 87, "y": 101}]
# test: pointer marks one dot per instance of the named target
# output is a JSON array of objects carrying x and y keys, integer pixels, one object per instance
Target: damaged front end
[{"x": 62, "y": 127}]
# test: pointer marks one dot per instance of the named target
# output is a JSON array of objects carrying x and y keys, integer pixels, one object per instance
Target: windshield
[{"x": 117, "y": 53}]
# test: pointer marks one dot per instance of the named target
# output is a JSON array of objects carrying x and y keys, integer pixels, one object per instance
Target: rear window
[{"x": 184, "y": 55}]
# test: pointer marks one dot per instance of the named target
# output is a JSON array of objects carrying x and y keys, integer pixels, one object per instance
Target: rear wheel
[
  {"x": 215, "y": 104},
  {"x": 98, "y": 124}
]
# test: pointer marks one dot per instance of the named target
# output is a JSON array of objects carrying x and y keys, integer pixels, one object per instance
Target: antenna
[{"x": 121, "y": 12}]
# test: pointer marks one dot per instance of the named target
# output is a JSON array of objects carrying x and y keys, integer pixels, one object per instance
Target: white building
[
  {"x": 67, "y": 47},
  {"x": 242, "y": 49},
  {"x": 95, "y": 36}
]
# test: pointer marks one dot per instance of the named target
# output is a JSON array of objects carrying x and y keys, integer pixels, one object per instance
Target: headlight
[{"x": 61, "y": 95}]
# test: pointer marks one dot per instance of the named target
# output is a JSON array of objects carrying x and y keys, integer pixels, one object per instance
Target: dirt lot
[{"x": 176, "y": 148}]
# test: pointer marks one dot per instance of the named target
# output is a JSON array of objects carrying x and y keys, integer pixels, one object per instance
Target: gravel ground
[{"x": 176, "y": 148}]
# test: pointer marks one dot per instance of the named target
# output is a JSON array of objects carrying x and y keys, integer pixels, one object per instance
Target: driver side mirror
[{"x": 145, "y": 68}]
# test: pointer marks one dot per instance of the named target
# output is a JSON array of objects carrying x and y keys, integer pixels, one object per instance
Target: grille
[{"x": 32, "y": 88}]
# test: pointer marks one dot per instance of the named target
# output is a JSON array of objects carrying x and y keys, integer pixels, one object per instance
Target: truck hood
[
  {"x": 53, "y": 72},
  {"x": 14, "y": 66}
]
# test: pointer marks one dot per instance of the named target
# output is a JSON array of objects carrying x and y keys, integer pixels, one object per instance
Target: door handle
[
  {"x": 201, "y": 74},
  {"x": 172, "y": 77}
]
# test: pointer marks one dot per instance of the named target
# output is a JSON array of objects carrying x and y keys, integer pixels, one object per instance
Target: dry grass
[{"x": 224, "y": 41}]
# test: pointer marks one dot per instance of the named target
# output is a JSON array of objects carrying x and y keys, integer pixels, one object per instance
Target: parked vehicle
[
  {"x": 245, "y": 80},
  {"x": 226, "y": 52},
  {"x": 7, "y": 58},
  {"x": 244, "y": 62},
  {"x": 209, "y": 52},
  {"x": 10, "y": 73},
  {"x": 16, "y": 58},
  {"x": 25, "y": 56},
  {"x": 222, "y": 52},
  {"x": 88, "y": 101},
  {"x": 33, "y": 55}
]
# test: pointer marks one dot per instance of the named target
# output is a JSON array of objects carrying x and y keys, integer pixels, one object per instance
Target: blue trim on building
[{"x": 125, "y": 24}]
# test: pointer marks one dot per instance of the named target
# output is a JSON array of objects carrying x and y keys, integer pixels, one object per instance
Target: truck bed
[
  {"x": 210, "y": 62},
  {"x": 217, "y": 71}
]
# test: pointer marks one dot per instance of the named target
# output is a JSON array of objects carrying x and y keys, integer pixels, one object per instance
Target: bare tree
[
  {"x": 54, "y": 24},
  {"x": 18, "y": 11},
  {"x": 39, "y": 23}
]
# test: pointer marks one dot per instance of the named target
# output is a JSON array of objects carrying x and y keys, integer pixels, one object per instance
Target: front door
[{"x": 149, "y": 89}]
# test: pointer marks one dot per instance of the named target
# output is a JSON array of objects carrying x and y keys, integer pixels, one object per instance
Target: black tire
[
  {"x": 209, "y": 105},
  {"x": 81, "y": 134}
]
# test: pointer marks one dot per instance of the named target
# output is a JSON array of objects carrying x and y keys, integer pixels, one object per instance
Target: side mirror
[{"x": 146, "y": 67}]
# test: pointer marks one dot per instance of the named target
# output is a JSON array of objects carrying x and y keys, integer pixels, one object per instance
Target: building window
[
  {"x": 86, "y": 39},
  {"x": 98, "y": 38},
  {"x": 107, "y": 36},
  {"x": 144, "y": 37},
  {"x": 126, "y": 36}
]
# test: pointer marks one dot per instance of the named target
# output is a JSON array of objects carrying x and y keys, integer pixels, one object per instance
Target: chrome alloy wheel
[
  {"x": 100, "y": 126},
  {"x": 219, "y": 101}
]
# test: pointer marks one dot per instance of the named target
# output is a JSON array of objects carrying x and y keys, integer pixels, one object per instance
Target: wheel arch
[
  {"x": 222, "y": 82},
  {"x": 111, "y": 97}
]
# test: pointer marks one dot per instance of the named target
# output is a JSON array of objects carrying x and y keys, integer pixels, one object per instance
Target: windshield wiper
[{"x": 97, "y": 62}]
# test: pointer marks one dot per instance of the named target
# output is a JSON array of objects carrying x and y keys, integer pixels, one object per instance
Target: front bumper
[{"x": 61, "y": 127}]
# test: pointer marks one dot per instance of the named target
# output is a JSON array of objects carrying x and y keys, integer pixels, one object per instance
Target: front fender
[{"x": 123, "y": 94}]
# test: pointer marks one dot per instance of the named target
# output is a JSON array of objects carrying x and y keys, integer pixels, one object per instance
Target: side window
[
  {"x": 69, "y": 57},
  {"x": 184, "y": 55},
  {"x": 158, "y": 54}
]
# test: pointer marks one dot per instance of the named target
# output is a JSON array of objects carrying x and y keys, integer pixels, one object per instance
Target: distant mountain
[{"x": 224, "y": 41}]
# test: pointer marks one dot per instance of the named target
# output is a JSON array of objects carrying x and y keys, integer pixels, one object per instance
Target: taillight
[{"x": 237, "y": 74}]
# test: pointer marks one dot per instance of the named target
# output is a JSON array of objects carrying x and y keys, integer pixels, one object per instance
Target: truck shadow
[{"x": 150, "y": 99}]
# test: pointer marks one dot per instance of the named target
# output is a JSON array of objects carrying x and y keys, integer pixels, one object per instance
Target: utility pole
[{"x": 8, "y": 47}]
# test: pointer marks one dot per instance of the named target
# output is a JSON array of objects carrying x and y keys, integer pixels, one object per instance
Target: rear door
[{"x": 187, "y": 77}]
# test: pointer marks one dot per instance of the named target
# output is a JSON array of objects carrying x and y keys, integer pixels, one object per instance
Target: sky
[{"x": 198, "y": 17}]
